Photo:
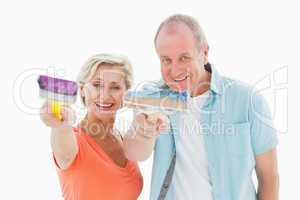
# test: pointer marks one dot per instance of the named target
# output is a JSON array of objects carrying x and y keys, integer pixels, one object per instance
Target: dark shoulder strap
[{"x": 168, "y": 179}]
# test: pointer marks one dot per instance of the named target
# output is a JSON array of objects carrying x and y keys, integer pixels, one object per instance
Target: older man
[{"x": 211, "y": 150}]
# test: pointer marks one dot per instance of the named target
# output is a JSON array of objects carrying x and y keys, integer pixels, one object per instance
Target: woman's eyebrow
[
  {"x": 101, "y": 80},
  {"x": 97, "y": 79},
  {"x": 115, "y": 83}
]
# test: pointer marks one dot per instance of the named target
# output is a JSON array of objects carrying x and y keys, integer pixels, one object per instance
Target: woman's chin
[{"x": 103, "y": 114}]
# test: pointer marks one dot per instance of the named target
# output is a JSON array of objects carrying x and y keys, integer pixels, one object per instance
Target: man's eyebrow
[
  {"x": 185, "y": 54},
  {"x": 164, "y": 57}
]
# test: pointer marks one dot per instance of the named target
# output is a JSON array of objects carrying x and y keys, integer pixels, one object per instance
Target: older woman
[{"x": 90, "y": 159}]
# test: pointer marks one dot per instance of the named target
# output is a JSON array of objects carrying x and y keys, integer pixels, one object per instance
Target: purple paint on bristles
[{"x": 58, "y": 86}]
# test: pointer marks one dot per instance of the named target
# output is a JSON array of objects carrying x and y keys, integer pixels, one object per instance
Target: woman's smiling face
[{"x": 103, "y": 93}]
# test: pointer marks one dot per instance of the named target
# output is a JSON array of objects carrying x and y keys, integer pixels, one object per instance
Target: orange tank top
[{"x": 93, "y": 175}]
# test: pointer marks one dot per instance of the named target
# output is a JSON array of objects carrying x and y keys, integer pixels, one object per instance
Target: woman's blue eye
[{"x": 97, "y": 85}]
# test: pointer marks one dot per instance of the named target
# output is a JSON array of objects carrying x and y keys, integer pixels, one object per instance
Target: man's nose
[{"x": 176, "y": 69}]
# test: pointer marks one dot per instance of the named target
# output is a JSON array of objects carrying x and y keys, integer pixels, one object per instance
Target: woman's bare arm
[
  {"x": 140, "y": 139},
  {"x": 63, "y": 140}
]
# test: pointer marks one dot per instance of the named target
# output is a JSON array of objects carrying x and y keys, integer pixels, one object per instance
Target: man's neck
[{"x": 203, "y": 85}]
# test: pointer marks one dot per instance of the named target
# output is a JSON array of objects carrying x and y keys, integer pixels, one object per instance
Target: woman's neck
[{"x": 97, "y": 128}]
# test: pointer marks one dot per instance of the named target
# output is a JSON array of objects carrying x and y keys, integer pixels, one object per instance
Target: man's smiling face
[{"x": 182, "y": 61}]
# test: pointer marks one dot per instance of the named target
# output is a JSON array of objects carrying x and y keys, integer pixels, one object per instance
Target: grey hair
[{"x": 187, "y": 20}]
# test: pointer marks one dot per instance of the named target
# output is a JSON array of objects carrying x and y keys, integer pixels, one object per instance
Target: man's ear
[{"x": 205, "y": 50}]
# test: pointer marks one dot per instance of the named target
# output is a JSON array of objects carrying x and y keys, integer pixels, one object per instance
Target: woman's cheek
[{"x": 118, "y": 97}]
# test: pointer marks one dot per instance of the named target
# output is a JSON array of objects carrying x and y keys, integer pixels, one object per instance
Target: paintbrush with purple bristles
[{"x": 58, "y": 91}]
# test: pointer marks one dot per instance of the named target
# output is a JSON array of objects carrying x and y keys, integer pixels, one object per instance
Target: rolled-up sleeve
[{"x": 263, "y": 132}]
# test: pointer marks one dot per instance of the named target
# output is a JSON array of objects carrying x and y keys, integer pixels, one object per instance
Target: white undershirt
[{"x": 191, "y": 179}]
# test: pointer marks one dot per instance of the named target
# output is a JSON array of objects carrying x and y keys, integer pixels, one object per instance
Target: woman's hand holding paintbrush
[{"x": 68, "y": 116}]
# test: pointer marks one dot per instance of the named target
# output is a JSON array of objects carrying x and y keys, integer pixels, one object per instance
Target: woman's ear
[
  {"x": 82, "y": 93},
  {"x": 121, "y": 104}
]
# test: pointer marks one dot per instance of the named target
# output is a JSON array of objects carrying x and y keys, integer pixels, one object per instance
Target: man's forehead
[
  {"x": 175, "y": 29},
  {"x": 177, "y": 38},
  {"x": 183, "y": 53},
  {"x": 175, "y": 49}
]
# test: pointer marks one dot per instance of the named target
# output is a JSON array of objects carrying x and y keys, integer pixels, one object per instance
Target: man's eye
[
  {"x": 184, "y": 59},
  {"x": 166, "y": 61}
]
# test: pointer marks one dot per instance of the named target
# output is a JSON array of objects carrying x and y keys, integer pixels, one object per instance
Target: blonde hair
[
  {"x": 190, "y": 22},
  {"x": 90, "y": 67}
]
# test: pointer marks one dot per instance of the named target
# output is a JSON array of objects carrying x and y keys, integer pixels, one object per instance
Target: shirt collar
[{"x": 216, "y": 84}]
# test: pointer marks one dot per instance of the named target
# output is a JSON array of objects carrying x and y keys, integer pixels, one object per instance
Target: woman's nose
[{"x": 105, "y": 95}]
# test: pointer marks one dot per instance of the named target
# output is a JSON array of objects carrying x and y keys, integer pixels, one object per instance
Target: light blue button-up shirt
[{"x": 236, "y": 126}]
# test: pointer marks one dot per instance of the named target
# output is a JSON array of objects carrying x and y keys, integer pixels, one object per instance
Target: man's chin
[{"x": 179, "y": 89}]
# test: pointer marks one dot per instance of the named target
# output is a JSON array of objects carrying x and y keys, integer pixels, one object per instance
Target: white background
[{"x": 249, "y": 40}]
